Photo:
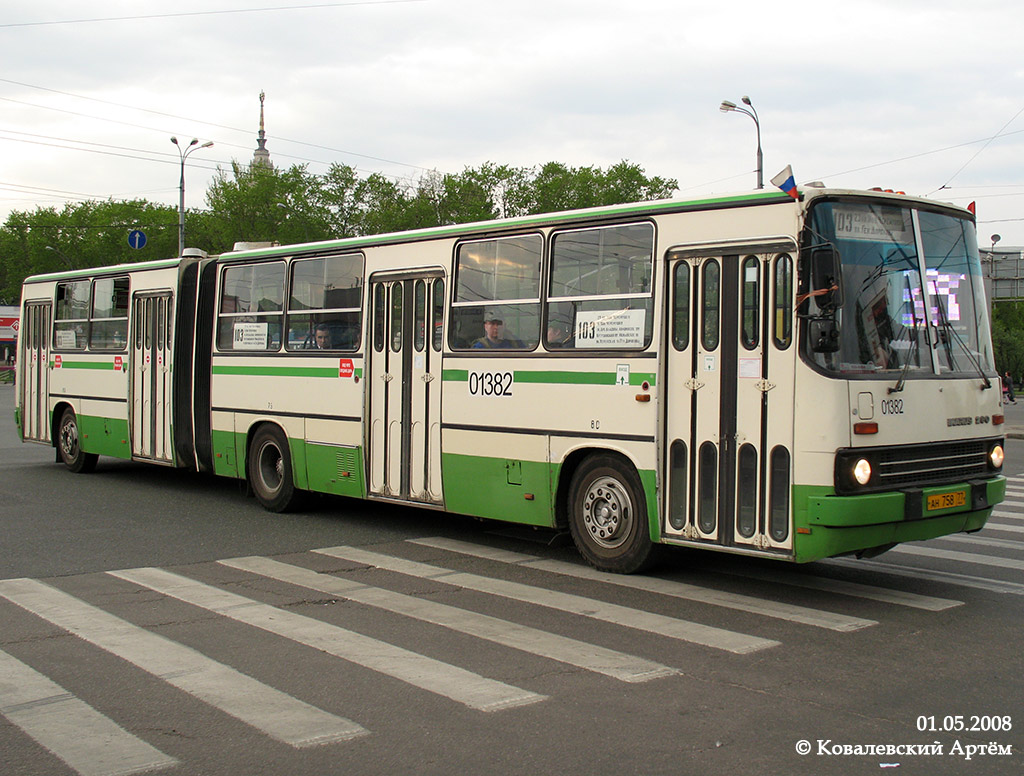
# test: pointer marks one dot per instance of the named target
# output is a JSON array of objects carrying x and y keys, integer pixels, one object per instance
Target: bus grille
[{"x": 918, "y": 465}]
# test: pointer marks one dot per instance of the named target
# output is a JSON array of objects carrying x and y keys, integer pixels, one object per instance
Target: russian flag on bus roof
[{"x": 784, "y": 180}]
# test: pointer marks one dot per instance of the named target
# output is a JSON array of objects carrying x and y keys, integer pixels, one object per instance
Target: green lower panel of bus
[
  {"x": 104, "y": 436},
  {"x": 828, "y": 525},
  {"x": 516, "y": 491},
  {"x": 499, "y": 488},
  {"x": 322, "y": 468}
]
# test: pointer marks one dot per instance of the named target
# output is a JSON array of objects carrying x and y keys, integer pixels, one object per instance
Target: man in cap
[{"x": 494, "y": 333}]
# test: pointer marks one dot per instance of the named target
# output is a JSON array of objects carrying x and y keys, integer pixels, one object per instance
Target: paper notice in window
[
  {"x": 250, "y": 335},
  {"x": 610, "y": 328}
]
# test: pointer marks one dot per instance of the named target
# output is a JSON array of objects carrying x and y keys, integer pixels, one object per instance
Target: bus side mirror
[
  {"x": 823, "y": 335},
  {"x": 826, "y": 279}
]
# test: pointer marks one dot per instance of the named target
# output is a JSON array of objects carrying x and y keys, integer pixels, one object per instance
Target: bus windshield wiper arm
[{"x": 911, "y": 355}]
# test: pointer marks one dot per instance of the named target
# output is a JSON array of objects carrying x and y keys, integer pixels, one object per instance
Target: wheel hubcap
[
  {"x": 607, "y": 512},
  {"x": 271, "y": 468},
  {"x": 69, "y": 439}
]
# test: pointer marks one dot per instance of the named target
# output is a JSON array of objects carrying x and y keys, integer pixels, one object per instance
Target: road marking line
[
  {"x": 963, "y": 557},
  {"x": 1008, "y": 515},
  {"x": 449, "y": 681},
  {"x": 1005, "y": 527},
  {"x": 617, "y": 665},
  {"x": 981, "y": 541},
  {"x": 277, "y": 714},
  {"x": 670, "y": 627},
  {"x": 87, "y": 741},
  {"x": 913, "y": 572},
  {"x": 743, "y": 603},
  {"x": 847, "y": 588}
]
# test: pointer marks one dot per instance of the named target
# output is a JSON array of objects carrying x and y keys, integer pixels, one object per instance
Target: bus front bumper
[{"x": 827, "y": 525}]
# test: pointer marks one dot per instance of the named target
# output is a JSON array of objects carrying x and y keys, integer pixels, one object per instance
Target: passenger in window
[
  {"x": 558, "y": 335},
  {"x": 322, "y": 337},
  {"x": 494, "y": 334}
]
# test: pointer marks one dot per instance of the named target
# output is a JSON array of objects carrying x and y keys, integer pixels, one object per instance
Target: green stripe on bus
[
  {"x": 557, "y": 377},
  {"x": 282, "y": 371},
  {"x": 65, "y": 364}
]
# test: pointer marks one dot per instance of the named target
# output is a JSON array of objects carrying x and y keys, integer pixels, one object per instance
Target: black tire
[
  {"x": 69, "y": 445},
  {"x": 608, "y": 516},
  {"x": 270, "y": 470}
]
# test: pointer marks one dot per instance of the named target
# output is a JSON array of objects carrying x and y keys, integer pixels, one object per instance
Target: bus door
[
  {"x": 34, "y": 360},
  {"x": 404, "y": 412},
  {"x": 729, "y": 406},
  {"x": 151, "y": 400}
]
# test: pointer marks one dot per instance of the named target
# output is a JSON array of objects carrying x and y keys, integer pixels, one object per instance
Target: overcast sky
[{"x": 925, "y": 96}]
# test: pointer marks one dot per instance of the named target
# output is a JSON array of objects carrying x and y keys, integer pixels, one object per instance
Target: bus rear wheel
[
  {"x": 608, "y": 516},
  {"x": 69, "y": 445},
  {"x": 270, "y": 470}
]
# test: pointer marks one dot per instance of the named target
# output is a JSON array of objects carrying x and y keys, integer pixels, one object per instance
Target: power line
[
  {"x": 964, "y": 166},
  {"x": 196, "y": 121},
  {"x": 206, "y": 13}
]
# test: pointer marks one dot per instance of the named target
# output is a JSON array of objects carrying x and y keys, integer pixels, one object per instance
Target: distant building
[
  {"x": 1003, "y": 269},
  {"x": 261, "y": 155}
]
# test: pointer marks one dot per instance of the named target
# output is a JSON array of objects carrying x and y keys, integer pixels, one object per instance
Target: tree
[
  {"x": 264, "y": 203},
  {"x": 1008, "y": 337},
  {"x": 82, "y": 234}
]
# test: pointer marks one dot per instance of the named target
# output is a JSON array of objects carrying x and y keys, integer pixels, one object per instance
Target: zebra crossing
[{"x": 92, "y": 743}]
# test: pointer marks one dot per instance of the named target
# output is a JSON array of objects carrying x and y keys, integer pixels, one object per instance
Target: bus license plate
[{"x": 946, "y": 500}]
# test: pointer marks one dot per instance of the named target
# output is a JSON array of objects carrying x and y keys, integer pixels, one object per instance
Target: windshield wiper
[
  {"x": 911, "y": 357},
  {"x": 947, "y": 329},
  {"x": 912, "y": 354}
]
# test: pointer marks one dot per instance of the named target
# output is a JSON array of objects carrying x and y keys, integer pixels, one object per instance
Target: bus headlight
[
  {"x": 995, "y": 456},
  {"x": 862, "y": 471}
]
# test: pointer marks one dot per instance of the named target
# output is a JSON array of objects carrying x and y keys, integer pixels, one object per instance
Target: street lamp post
[
  {"x": 728, "y": 107},
  {"x": 61, "y": 253},
  {"x": 183, "y": 153}
]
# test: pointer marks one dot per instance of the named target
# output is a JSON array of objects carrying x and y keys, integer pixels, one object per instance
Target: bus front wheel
[
  {"x": 69, "y": 445},
  {"x": 608, "y": 516},
  {"x": 270, "y": 470}
]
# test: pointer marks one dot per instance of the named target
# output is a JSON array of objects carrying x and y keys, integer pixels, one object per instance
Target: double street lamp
[
  {"x": 729, "y": 107},
  {"x": 183, "y": 153}
]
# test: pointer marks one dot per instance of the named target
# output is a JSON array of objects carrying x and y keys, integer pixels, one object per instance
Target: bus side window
[
  {"x": 71, "y": 319},
  {"x": 681, "y": 306},
  {"x": 782, "y": 321},
  {"x": 496, "y": 281},
  {"x": 326, "y": 295},
  {"x": 604, "y": 276}
]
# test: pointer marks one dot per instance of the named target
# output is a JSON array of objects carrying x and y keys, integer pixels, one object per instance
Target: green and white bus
[{"x": 795, "y": 377}]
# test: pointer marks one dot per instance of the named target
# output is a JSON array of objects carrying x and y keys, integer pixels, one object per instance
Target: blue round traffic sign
[{"x": 137, "y": 238}]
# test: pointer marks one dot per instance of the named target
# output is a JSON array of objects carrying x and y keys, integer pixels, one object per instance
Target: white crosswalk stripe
[
  {"x": 93, "y": 744},
  {"x": 277, "y": 714},
  {"x": 87, "y": 741},
  {"x": 571, "y": 651},
  {"x": 966, "y": 557},
  {"x": 1004, "y": 527},
  {"x": 761, "y": 606},
  {"x": 459, "y": 685},
  {"x": 671, "y": 627}
]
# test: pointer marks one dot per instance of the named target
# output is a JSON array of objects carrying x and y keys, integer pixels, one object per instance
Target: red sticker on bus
[
  {"x": 118, "y": 363},
  {"x": 346, "y": 368},
  {"x": 56, "y": 362}
]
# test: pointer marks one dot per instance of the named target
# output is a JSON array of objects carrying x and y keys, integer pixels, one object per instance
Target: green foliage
[
  {"x": 1008, "y": 337},
  {"x": 82, "y": 234},
  {"x": 260, "y": 203}
]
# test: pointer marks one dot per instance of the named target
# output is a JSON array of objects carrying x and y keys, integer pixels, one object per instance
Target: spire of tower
[{"x": 261, "y": 155}]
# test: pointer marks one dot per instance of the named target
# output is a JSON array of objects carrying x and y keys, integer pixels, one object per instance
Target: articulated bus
[{"x": 794, "y": 377}]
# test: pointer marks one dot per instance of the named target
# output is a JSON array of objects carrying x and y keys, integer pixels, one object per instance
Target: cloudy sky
[{"x": 925, "y": 96}]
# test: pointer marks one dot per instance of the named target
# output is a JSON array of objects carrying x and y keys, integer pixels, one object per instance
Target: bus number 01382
[{"x": 490, "y": 383}]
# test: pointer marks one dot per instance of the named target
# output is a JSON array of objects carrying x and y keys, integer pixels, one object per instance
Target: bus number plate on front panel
[{"x": 957, "y": 498}]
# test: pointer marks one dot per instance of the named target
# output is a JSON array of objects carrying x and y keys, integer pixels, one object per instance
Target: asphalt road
[{"x": 154, "y": 620}]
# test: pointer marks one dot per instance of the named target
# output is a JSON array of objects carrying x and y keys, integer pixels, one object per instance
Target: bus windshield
[{"x": 911, "y": 279}]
